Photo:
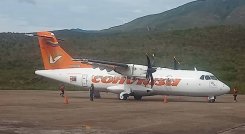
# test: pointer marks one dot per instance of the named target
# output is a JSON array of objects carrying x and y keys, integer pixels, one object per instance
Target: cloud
[
  {"x": 78, "y": 8},
  {"x": 32, "y": 2},
  {"x": 22, "y": 16},
  {"x": 137, "y": 11},
  {"x": 122, "y": 20}
]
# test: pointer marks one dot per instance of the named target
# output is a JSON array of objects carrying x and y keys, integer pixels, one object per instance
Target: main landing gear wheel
[
  {"x": 123, "y": 97},
  {"x": 136, "y": 97}
]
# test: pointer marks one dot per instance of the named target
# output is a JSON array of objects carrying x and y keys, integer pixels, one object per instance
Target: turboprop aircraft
[{"x": 125, "y": 79}]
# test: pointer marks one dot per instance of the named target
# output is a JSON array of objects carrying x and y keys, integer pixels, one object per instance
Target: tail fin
[{"x": 54, "y": 57}]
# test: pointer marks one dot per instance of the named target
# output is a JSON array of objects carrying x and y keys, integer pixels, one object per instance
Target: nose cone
[{"x": 225, "y": 88}]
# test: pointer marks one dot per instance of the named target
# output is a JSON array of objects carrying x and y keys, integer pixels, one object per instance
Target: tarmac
[{"x": 44, "y": 112}]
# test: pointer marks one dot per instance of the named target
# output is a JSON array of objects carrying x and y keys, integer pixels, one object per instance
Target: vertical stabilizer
[{"x": 54, "y": 57}]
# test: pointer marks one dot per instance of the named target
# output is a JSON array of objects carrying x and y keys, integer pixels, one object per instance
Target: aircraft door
[{"x": 84, "y": 80}]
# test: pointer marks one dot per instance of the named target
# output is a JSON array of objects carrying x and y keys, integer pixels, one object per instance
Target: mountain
[
  {"x": 199, "y": 13},
  {"x": 76, "y": 30}
]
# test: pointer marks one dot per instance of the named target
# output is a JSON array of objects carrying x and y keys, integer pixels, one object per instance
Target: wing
[
  {"x": 130, "y": 70},
  {"x": 107, "y": 65}
]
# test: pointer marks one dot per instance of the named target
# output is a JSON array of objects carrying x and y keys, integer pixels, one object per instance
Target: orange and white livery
[{"x": 125, "y": 79}]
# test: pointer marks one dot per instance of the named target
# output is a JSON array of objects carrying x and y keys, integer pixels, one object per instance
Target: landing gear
[
  {"x": 137, "y": 97},
  {"x": 123, "y": 96},
  {"x": 211, "y": 99}
]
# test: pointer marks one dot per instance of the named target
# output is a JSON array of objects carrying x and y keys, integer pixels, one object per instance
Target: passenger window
[
  {"x": 213, "y": 77},
  {"x": 207, "y": 77},
  {"x": 202, "y": 77}
]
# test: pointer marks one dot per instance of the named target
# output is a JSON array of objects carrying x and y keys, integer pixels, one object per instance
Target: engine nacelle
[{"x": 116, "y": 89}]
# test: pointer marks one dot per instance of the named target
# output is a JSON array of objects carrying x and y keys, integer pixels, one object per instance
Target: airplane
[{"x": 125, "y": 79}]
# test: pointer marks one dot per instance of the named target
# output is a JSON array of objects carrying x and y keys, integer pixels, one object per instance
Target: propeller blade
[
  {"x": 152, "y": 80},
  {"x": 147, "y": 76},
  {"x": 150, "y": 70},
  {"x": 153, "y": 56},
  {"x": 148, "y": 61}
]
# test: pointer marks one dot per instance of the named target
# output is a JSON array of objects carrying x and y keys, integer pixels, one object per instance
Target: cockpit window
[
  {"x": 207, "y": 77},
  {"x": 202, "y": 77},
  {"x": 213, "y": 77}
]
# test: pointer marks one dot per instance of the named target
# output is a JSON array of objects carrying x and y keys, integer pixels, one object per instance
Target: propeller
[
  {"x": 150, "y": 70},
  {"x": 176, "y": 63}
]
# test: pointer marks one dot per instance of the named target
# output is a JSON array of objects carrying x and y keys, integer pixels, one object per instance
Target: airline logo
[
  {"x": 137, "y": 81},
  {"x": 53, "y": 60}
]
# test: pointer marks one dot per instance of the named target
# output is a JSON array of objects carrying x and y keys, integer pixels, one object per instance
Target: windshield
[
  {"x": 207, "y": 77},
  {"x": 213, "y": 77}
]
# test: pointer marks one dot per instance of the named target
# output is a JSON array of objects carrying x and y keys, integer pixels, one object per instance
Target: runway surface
[{"x": 44, "y": 112}]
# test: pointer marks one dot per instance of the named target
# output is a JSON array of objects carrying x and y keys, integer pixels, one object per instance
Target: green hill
[
  {"x": 200, "y": 13},
  {"x": 219, "y": 50}
]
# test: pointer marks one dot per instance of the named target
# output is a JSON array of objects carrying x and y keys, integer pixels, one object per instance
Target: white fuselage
[{"x": 166, "y": 82}]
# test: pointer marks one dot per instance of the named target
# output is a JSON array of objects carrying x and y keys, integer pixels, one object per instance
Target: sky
[{"x": 41, "y": 15}]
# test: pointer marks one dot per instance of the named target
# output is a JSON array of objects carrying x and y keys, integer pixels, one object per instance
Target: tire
[
  {"x": 211, "y": 101},
  {"x": 123, "y": 97}
]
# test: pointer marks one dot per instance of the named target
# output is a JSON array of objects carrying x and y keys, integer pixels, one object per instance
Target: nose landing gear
[{"x": 211, "y": 99}]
